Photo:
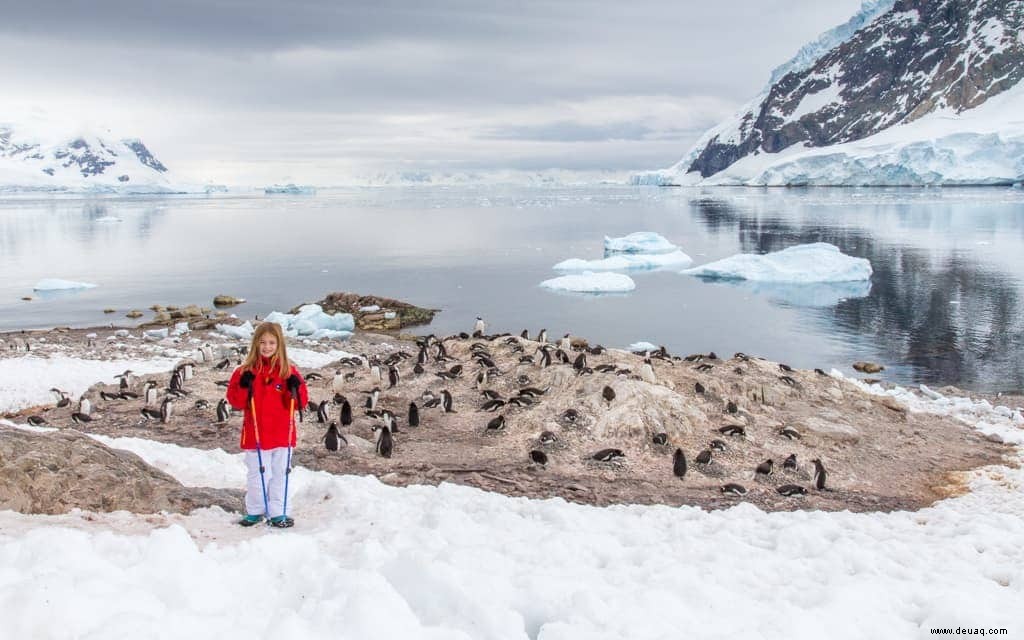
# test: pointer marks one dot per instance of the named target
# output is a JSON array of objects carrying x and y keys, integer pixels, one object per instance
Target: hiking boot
[
  {"x": 249, "y": 520},
  {"x": 282, "y": 522}
]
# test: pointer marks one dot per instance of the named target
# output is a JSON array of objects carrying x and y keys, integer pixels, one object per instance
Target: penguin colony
[{"x": 501, "y": 382}]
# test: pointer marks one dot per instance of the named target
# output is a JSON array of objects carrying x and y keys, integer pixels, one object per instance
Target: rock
[
  {"x": 134, "y": 313},
  {"x": 226, "y": 301},
  {"x": 58, "y": 471},
  {"x": 360, "y": 444},
  {"x": 26, "y": 298},
  {"x": 890, "y": 403},
  {"x": 829, "y": 429},
  {"x": 109, "y": 310},
  {"x": 868, "y": 367},
  {"x": 157, "y": 308},
  {"x": 405, "y": 314}
]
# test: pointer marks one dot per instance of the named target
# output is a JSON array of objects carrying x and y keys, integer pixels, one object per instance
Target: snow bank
[
  {"x": 26, "y": 381},
  {"x": 627, "y": 261},
  {"x": 590, "y": 282},
  {"x": 817, "y": 262},
  {"x": 315, "y": 359},
  {"x": 311, "y": 321},
  {"x": 639, "y": 242},
  {"x": 56, "y": 284}
]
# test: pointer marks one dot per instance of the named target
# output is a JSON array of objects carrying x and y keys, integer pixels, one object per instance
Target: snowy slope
[
  {"x": 893, "y": 65},
  {"x": 41, "y": 155}
]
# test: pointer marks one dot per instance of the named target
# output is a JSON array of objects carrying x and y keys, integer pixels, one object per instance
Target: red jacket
[{"x": 272, "y": 399}]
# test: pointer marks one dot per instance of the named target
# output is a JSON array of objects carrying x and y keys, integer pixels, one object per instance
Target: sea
[{"x": 945, "y": 305}]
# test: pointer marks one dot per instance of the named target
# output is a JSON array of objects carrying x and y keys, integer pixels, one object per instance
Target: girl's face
[{"x": 268, "y": 345}]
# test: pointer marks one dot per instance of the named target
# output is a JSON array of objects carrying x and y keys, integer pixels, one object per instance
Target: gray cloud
[{"x": 452, "y": 81}]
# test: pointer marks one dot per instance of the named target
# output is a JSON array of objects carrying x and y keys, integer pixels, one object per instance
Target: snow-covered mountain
[
  {"x": 35, "y": 157},
  {"x": 905, "y": 92}
]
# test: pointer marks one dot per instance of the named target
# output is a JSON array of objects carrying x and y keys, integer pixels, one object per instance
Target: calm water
[{"x": 945, "y": 304}]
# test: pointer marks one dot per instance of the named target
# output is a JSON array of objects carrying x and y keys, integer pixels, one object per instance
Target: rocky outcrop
[
  {"x": 918, "y": 57},
  {"x": 374, "y": 313},
  {"x": 55, "y": 472}
]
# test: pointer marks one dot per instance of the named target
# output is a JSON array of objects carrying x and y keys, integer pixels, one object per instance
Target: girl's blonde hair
[{"x": 279, "y": 360}]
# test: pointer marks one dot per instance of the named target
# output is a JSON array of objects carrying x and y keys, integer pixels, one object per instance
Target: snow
[
  {"x": 590, "y": 282},
  {"x": 804, "y": 263},
  {"x": 56, "y": 284},
  {"x": 639, "y": 242},
  {"x": 26, "y": 381},
  {"x": 241, "y": 332},
  {"x": 366, "y": 560},
  {"x": 627, "y": 261},
  {"x": 640, "y": 347},
  {"x": 313, "y": 322},
  {"x": 316, "y": 359},
  {"x": 814, "y": 102}
]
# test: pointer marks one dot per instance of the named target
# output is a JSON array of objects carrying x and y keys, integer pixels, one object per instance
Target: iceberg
[
  {"x": 804, "y": 263},
  {"x": 627, "y": 261},
  {"x": 639, "y": 242},
  {"x": 56, "y": 284},
  {"x": 590, "y": 282},
  {"x": 640, "y": 347},
  {"x": 313, "y": 322},
  {"x": 291, "y": 189}
]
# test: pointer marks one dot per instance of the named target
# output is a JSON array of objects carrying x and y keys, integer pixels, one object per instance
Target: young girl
[{"x": 268, "y": 383}]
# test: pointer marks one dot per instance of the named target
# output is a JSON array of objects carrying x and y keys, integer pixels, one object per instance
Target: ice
[
  {"x": 590, "y": 282},
  {"x": 638, "y": 242},
  {"x": 156, "y": 334},
  {"x": 242, "y": 332},
  {"x": 802, "y": 294},
  {"x": 292, "y": 189},
  {"x": 313, "y": 322},
  {"x": 817, "y": 262},
  {"x": 56, "y": 284},
  {"x": 181, "y": 328},
  {"x": 640, "y": 347},
  {"x": 370, "y": 308},
  {"x": 627, "y": 261},
  {"x": 107, "y": 219}
]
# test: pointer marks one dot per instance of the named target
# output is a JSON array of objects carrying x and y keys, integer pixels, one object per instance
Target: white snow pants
[{"x": 275, "y": 463}]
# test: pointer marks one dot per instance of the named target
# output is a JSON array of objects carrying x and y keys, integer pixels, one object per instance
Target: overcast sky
[{"x": 310, "y": 90}]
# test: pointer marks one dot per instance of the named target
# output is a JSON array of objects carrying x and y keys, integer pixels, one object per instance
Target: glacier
[{"x": 805, "y": 263}]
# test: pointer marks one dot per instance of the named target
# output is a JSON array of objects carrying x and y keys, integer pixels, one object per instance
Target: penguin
[
  {"x": 84, "y": 406},
  {"x": 679, "y": 463},
  {"x": 223, "y": 413},
  {"x": 764, "y": 469},
  {"x": 533, "y": 391},
  {"x": 321, "y": 412},
  {"x": 414, "y": 415},
  {"x": 660, "y": 438},
  {"x": 563, "y": 357},
  {"x": 704, "y": 367},
  {"x": 418, "y": 369},
  {"x": 789, "y": 432},
  {"x": 77, "y": 417},
  {"x": 128, "y": 395},
  {"x": 564, "y": 344},
  {"x": 785, "y": 367},
  {"x": 542, "y": 336},
  {"x": 730, "y": 407},
  {"x": 520, "y": 401},
  {"x": 149, "y": 414},
  {"x": 525, "y": 334},
  {"x": 187, "y": 370},
  {"x": 455, "y": 371},
  {"x": 150, "y": 392},
  {"x": 608, "y": 455},
  {"x": 389, "y": 421},
  {"x": 790, "y": 381},
  {"x": 492, "y": 405},
  {"x": 698, "y": 387},
  {"x": 704, "y": 457},
  {"x": 202, "y": 403},
  {"x": 223, "y": 364},
  {"x": 385, "y": 443},
  {"x": 372, "y": 397},
  {"x": 717, "y": 445},
  {"x": 62, "y": 398},
  {"x": 647, "y": 372},
  {"x": 789, "y": 490},
  {"x": 820, "y": 372},
  {"x": 570, "y": 415},
  {"x": 447, "y": 402},
  {"x": 545, "y": 357},
  {"x": 393, "y": 376},
  {"x": 491, "y": 394},
  {"x": 733, "y": 489},
  {"x": 496, "y": 424},
  {"x": 313, "y": 376},
  {"x": 539, "y": 457},
  {"x": 338, "y": 382},
  {"x": 332, "y": 438},
  {"x": 442, "y": 353},
  {"x": 166, "y": 408},
  {"x": 580, "y": 363},
  {"x": 819, "y": 475},
  {"x": 605, "y": 368},
  {"x": 478, "y": 327},
  {"x": 732, "y": 430},
  {"x": 790, "y": 462},
  {"x": 176, "y": 381},
  {"x": 481, "y": 379},
  {"x": 547, "y": 437},
  {"x": 375, "y": 373},
  {"x": 608, "y": 394},
  {"x": 36, "y": 421},
  {"x": 346, "y": 413}
]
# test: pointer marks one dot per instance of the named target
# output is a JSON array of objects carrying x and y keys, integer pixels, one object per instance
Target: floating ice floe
[
  {"x": 56, "y": 284},
  {"x": 292, "y": 189},
  {"x": 627, "y": 261},
  {"x": 802, "y": 294},
  {"x": 639, "y": 242},
  {"x": 313, "y": 322},
  {"x": 817, "y": 262},
  {"x": 590, "y": 282},
  {"x": 640, "y": 347}
]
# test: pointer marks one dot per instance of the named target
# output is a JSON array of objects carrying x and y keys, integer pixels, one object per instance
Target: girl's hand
[
  {"x": 293, "y": 383},
  {"x": 246, "y": 380}
]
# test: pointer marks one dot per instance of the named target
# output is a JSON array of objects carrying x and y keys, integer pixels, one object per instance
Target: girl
[{"x": 268, "y": 384}]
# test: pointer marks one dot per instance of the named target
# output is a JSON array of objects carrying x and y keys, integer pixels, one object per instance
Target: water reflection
[{"x": 949, "y": 318}]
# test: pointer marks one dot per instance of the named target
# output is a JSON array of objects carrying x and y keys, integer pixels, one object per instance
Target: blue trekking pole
[
  {"x": 259, "y": 456},
  {"x": 288, "y": 469}
]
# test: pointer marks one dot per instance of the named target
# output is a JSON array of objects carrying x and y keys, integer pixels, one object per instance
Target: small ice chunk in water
[
  {"x": 590, "y": 282},
  {"x": 56, "y": 284},
  {"x": 627, "y": 261},
  {"x": 639, "y": 242}
]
